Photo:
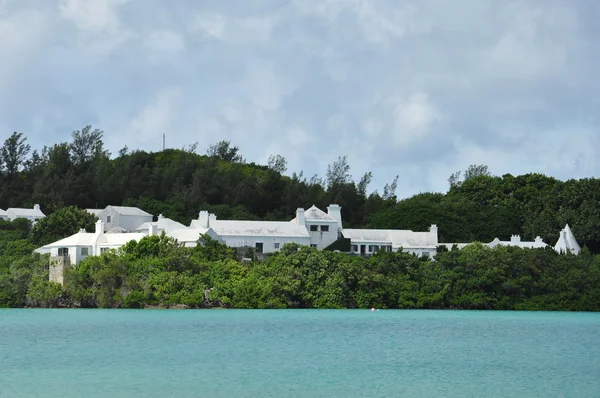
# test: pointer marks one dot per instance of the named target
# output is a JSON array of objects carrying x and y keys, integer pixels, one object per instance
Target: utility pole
[{"x": 163, "y": 141}]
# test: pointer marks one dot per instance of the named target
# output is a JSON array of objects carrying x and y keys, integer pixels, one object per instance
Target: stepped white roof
[
  {"x": 92, "y": 239},
  {"x": 567, "y": 242},
  {"x": 397, "y": 238},
  {"x": 16, "y": 212},
  {"x": 255, "y": 228}
]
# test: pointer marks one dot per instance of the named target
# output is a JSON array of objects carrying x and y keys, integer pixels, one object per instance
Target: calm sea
[{"x": 298, "y": 353}]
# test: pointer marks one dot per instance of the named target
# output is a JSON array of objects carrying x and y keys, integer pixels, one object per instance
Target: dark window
[
  {"x": 354, "y": 248},
  {"x": 63, "y": 251},
  {"x": 84, "y": 251},
  {"x": 324, "y": 228},
  {"x": 314, "y": 227},
  {"x": 276, "y": 245},
  {"x": 107, "y": 218},
  {"x": 259, "y": 247},
  {"x": 314, "y": 246}
]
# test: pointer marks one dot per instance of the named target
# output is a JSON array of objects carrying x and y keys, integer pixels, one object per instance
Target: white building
[
  {"x": 369, "y": 241},
  {"x": 77, "y": 247},
  {"x": 3, "y": 215},
  {"x": 323, "y": 228},
  {"x": 123, "y": 217},
  {"x": 32, "y": 215},
  {"x": 567, "y": 242},
  {"x": 263, "y": 236},
  {"x": 515, "y": 240}
]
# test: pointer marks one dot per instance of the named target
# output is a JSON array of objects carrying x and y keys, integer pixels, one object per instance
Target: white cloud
[
  {"x": 412, "y": 118},
  {"x": 165, "y": 41},
  {"x": 94, "y": 16},
  {"x": 156, "y": 118}
]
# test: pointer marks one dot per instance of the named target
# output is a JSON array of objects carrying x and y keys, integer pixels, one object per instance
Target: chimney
[
  {"x": 36, "y": 207},
  {"x": 515, "y": 239},
  {"x": 434, "y": 231},
  {"x": 160, "y": 216},
  {"x": 99, "y": 227},
  {"x": 335, "y": 211},
  {"x": 211, "y": 217},
  {"x": 203, "y": 218},
  {"x": 300, "y": 219},
  {"x": 153, "y": 230},
  {"x": 538, "y": 239}
]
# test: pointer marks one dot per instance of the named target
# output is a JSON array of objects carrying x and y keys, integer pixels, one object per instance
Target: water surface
[{"x": 298, "y": 353}]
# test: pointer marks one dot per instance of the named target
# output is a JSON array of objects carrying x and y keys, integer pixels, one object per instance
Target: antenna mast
[{"x": 163, "y": 141}]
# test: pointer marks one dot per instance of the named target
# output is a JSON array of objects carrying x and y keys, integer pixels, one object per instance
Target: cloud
[
  {"x": 93, "y": 16},
  {"x": 418, "y": 89},
  {"x": 165, "y": 41}
]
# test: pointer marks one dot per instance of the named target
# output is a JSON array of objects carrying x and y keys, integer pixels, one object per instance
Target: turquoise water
[{"x": 298, "y": 353}]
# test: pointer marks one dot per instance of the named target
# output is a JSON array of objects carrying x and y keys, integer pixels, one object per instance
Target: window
[
  {"x": 103, "y": 250},
  {"x": 84, "y": 251},
  {"x": 259, "y": 247},
  {"x": 276, "y": 245},
  {"x": 355, "y": 248},
  {"x": 314, "y": 227},
  {"x": 63, "y": 251},
  {"x": 313, "y": 246},
  {"x": 425, "y": 254},
  {"x": 373, "y": 248},
  {"x": 107, "y": 218},
  {"x": 324, "y": 228}
]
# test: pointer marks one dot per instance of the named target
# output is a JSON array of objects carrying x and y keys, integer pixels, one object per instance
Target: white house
[
  {"x": 127, "y": 218},
  {"x": 567, "y": 242},
  {"x": 32, "y": 215},
  {"x": 3, "y": 215},
  {"x": 323, "y": 228},
  {"x": 369, "y": 241},
  {"x": 263, "y": 236},
  {"x": 515, "y": 240},
  {"x": 77, "y": 247}
]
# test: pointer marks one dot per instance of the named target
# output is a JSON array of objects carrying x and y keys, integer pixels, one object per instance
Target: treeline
[
  {"x": 158, "y": 272},
  {"x": 178, "y": 183}
]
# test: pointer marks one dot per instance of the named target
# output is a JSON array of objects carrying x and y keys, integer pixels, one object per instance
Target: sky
[{"x": 418, "y": 89}]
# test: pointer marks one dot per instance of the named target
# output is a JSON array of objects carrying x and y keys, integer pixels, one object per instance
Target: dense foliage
[
  {"x": 157, "y": 271},
  {"x": 70, "y": 176}
]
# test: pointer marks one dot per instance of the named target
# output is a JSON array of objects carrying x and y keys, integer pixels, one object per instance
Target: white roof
[
  {"x": 20, "y": 212},
  {"x": 3, "y": 212},
  {"x": 191, "y": 234},
  {"x": 92, "y": 239},
  {"x": 95, "y": 212},
  {"x": 567, "y": 242},
  {"x": 396, "y": 237},
  {"x": 537, "y": 244},
  {"x": 116, "y": 230},
  {"x": 129, "y": 211},
  {"x": 256, "y": 228},
  {"x": 316, "y": 214},
  {"x": 164, "y": 224}
]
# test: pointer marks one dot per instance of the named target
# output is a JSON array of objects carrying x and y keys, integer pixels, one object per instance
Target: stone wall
[{"x": 58, "y": 264}]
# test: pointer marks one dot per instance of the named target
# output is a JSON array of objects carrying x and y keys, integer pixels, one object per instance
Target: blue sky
[{"x": 418, "y": 89}]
